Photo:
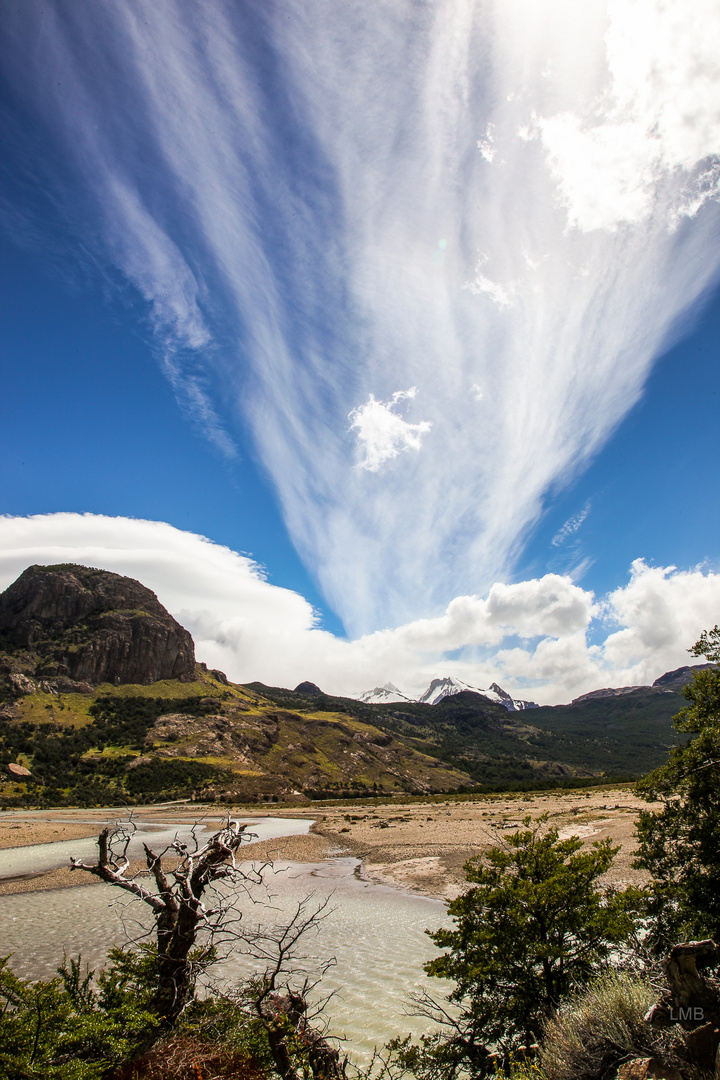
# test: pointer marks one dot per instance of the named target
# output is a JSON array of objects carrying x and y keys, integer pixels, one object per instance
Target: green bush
[
  {"x": 65, "y": 1028},
  {"x": 680, "y": 843}
]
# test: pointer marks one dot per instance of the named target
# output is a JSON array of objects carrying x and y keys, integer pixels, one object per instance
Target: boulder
[
  {"x": 691, "y": 1000},
  {"x": 18, "y": 772},
  {"x": 20, "y": 685},
  {"x": 647, "y": 1069}
]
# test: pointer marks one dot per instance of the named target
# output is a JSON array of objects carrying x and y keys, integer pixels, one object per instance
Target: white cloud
[
  {"x": 257, "y": 631},
  {"x": 382, "y": 434},
  {"x": 660, "y": 113},
  {"x": 502, "y": 295},
  {"x": 272, "y": 188},
  {"x": 605, "y": 174},
  {"x": 571, "y": 526},
  {"x": 486, "y": 145}
]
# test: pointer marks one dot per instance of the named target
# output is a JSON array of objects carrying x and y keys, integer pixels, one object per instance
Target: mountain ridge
[
  {"x": 64, "y": 741},
  {"x": 440, "y": 688}
]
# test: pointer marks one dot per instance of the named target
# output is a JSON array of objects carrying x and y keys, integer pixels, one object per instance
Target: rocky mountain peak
[{"x": 91, "y": 625}]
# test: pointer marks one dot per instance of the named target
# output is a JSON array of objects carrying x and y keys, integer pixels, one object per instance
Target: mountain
[
  {"x": 670, "y": 681},
  {"x": 161, "y": 727},
  {"x": 447, "y": 687},
  {"x": 384, "y": 695},
  {"x": 101, "y": 702},
  {"x": 440, "y": 689},
  {"x": 90, "y": 626}
]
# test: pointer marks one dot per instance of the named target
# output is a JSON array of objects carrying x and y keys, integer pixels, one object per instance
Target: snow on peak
[
  {"x": 442, "y": 688},
  {"x": 384, "y": 695}
]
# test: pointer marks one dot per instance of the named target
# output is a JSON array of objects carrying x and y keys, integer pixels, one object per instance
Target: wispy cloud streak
[{"x": 300, "y": 192}]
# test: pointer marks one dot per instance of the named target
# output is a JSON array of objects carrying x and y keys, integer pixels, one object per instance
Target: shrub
[
  {"x": 599, "y": 1028},
  {"x": 680, "y": 843},
  {"x": 534, "y": 923}
]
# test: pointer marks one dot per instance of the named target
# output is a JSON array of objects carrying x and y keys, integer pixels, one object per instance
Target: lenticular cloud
[{"x": 508, "y": 206}]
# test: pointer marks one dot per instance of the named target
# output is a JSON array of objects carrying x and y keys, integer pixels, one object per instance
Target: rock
[
  {"x": 307, "y": 688},
  {"x": 704, "y": 1044},
  {"x": 647, "y": 1069},
  {"x": 692, "y": 1001},
  {"x": 21, "y": 685},
  {"x": 143, "y": 759},
  {"x": 68, "y": 686},
  {"x": 220, "y": 676},
  {"x": 380, "y": 738},
  {"x": 18, "y": 772},
  {"x": 92, "y": 626}
]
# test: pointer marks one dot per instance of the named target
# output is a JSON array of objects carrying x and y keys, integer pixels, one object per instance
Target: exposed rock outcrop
[
  {"x": 75, "y": 623},
  {"x": 308, "y": 688},
  {"x": 18, "y": 772},
  {"x": 691, "y": 1002}
]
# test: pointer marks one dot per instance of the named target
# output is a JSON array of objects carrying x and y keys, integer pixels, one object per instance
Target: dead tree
[
  {"x": 278, "y": 994},
  {"x": 175, "y": 897}
]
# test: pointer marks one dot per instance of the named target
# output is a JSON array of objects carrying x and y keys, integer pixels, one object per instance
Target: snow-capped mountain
[
  {"x": 384, "y": 695},
  {"x": 442, "y": 688},
  {"x": 511, "y": 704}
]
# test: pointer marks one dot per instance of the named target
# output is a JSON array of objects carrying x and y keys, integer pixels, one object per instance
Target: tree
[
  {"x": 188, "y": 930},
  {"x": 65, "y": 1027},
  {"x": 534, "y": 924},
  {"x": 176, "y": 901},
  {"x": 680, "y": 843}
]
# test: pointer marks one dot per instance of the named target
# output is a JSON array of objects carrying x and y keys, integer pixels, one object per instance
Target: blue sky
[{"x": 407, "y": 305}]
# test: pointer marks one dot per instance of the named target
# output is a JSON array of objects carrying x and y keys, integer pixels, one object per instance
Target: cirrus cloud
[{"x": 273, "y": 180}]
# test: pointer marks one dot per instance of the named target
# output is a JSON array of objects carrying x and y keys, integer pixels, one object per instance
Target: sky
[{"x": 380, "y": 340}]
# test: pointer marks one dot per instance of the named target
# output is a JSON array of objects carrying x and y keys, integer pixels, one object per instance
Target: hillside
[
  {"x": 618, "y": 736},
  {"x": 84, "y": 625},
  {"x": 207, "y": 738},
  {"x": 101, "y": 702}
]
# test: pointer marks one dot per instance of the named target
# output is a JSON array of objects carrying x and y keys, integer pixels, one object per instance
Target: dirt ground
[
  {"x": 424, "y": 847},
  {"x": 417, "y": 846}
]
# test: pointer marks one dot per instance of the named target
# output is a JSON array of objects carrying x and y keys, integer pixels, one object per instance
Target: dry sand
[
  {"x": 15, "y": 833},
  {"x": 418, "y": 846}
]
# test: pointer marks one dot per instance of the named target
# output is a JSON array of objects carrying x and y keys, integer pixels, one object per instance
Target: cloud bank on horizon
[
  {"x": 506, "y": 206},
  {"x": 546, "y": 638}
]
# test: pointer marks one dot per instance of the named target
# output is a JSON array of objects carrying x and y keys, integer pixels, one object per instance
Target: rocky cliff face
[{"x": 92, "y": 626}]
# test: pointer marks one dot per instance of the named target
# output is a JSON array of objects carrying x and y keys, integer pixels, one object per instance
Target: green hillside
[
  {"x": 207, "y": 739},
  {"x": 619, "y": 737}
]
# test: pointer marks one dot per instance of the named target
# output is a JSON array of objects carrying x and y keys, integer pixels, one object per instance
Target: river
[{"x": 375, "y": 933}]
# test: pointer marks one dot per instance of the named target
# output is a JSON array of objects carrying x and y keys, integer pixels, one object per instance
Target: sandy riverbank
[
  {"x": 417, "y": 846},
  {"x": 48, "y": 827},
  {"x": 423, "y": 847}
]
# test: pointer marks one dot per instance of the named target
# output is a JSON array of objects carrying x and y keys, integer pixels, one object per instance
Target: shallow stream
[{"x": 374, "y": 932}]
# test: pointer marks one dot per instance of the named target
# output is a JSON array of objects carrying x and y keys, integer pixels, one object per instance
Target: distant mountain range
[{"x": 439, "y": 689}]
